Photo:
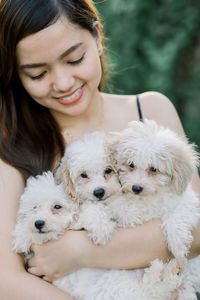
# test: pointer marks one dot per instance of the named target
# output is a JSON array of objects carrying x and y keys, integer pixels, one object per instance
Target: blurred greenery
[{"x": 155, "y": 45}]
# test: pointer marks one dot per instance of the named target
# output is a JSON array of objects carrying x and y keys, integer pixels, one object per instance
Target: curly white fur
[
  {"x": 96, "y": 198},
  {"x": 155, "y": 169},
  {"x": 45, "y": 213},
  {"x": 90, "y": 180},
  {"x": 85, "y": 168},
  {"x": 42, "y": 201}
]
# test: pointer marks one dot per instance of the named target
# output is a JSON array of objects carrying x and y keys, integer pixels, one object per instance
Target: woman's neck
[{"x": 90, "y": 120}]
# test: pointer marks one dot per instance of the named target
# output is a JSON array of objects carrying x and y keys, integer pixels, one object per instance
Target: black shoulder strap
[{"x": 139, "y": 109}]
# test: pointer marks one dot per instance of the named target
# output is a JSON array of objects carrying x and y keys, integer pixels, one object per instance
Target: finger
[
  {"x": 33, "y": 247},
  {"x": 175, "y": 295},
  {"x": 34, "y": 271},
  {"x": 46, "y": 279},
  {"x": 51, "y": 278},
  {"x": 31, "y": 263}
]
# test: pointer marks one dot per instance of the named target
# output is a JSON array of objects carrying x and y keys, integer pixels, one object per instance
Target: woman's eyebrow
[
  {"x": 70, "y": 50},
  {"x": 64, "y": 54}
]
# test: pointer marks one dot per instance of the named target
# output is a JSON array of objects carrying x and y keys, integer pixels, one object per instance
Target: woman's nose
[{"x": 63, "y": 81}]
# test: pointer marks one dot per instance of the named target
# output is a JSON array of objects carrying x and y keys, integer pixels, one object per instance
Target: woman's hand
[
  {"x": 72, "y": 251},
  {"x": 58, "y": 258}
]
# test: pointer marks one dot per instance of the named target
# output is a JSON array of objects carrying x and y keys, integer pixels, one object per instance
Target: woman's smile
[{"x": 72, "y": 97}]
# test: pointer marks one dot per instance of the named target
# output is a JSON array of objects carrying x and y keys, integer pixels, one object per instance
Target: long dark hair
[{"x": 30, "y": 138}]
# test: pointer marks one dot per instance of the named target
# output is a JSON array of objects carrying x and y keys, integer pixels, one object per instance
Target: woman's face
[{"x": 60, "y": 67}]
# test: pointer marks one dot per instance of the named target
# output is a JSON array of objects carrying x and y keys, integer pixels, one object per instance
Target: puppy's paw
[
  {"x": 21, "y": 240},
  {"x": 176, "y": 266},
  {"x": 101, "y": 235},
  {"x": 156, "y": 270},
  {"x": 165, "y": 274},
  {"x": 172, "y": 273},
  {"x": 96, "y": 218}
]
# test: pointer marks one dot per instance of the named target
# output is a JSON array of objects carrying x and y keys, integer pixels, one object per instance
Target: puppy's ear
[
  {"x": 69, "y": 187},
  {"x": 185, "y": 163},
  {"x": 62, "y": 176}
]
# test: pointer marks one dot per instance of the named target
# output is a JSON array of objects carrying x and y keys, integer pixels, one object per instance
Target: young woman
[{"x": 51, "y": 76}]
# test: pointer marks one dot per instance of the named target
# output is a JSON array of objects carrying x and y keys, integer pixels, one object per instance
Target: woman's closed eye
[
  {"x": 41, "y": 75},
  {"x": 78, "y": 61},
  {"x": 74, "y": 62}
]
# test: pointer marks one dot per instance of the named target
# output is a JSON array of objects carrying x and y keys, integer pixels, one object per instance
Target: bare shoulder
[
  {"x": 154, "y": 106},
  {"x": 119, "y": 110},
  {"x": 158, "y": 107}
]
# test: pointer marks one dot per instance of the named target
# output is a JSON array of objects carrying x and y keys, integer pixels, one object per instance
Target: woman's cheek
[
  {"x": 92, "y": 68},
  {"x": 36, "y": 89}
]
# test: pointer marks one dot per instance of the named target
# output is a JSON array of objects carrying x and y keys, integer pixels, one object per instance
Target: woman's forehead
[{"x": 51, "y": 41}]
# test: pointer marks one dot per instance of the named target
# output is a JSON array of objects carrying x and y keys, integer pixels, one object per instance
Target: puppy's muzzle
[
  {"x": 39, "y": 224},
  {"x": 137, "y": 189},
  {"x": 99, "y": 193}
]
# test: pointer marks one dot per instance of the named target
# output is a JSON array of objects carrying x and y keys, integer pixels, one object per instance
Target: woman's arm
[
  {"x": 129, "y": 248},
  {"x": 15, "y": 282}
]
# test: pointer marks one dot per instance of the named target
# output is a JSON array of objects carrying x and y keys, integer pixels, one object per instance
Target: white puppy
[
  {"x": 45, "y": 213},
  {"x": 90, "y": 179},
  {"x": 155, "y": 169}
]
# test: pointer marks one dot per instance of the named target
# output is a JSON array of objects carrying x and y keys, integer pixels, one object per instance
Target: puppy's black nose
[
  {"x": 39, "y": 224},
  {"x": 99, "y": 193},
  {"x": 137, "y": 189}
]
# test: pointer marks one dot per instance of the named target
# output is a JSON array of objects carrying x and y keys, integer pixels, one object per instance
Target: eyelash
[
  {"x": 76, "y": 62},
  {"x": 38, "y": 76}
]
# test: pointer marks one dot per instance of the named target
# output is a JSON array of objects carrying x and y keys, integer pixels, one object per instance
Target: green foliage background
[{"x": 155, "y": 45}]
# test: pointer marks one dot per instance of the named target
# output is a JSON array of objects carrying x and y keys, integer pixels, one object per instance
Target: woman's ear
[{"x": 98, "y": 37}]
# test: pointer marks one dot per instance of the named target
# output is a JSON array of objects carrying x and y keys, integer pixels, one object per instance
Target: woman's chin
[{"x": 72, "y": 110}]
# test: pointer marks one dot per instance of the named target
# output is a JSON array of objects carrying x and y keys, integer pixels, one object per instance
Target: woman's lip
[
  {"x": 69, "y": 94},
  {"x": 68, "y": 102}
]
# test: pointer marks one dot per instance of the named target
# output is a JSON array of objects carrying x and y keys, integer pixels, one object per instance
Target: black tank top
[{"x": 139, "y": 109}]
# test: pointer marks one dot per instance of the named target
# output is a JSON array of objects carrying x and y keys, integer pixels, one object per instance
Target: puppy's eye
[
  {"x": 132, "y": 166},
  {"x": 153, "y": 170},
  {"x": 57, "y": 206},
  {"x": 108, "y": 171},
  {"x": 84, "y": 175},
  {"x": 35, "y": 207}
]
